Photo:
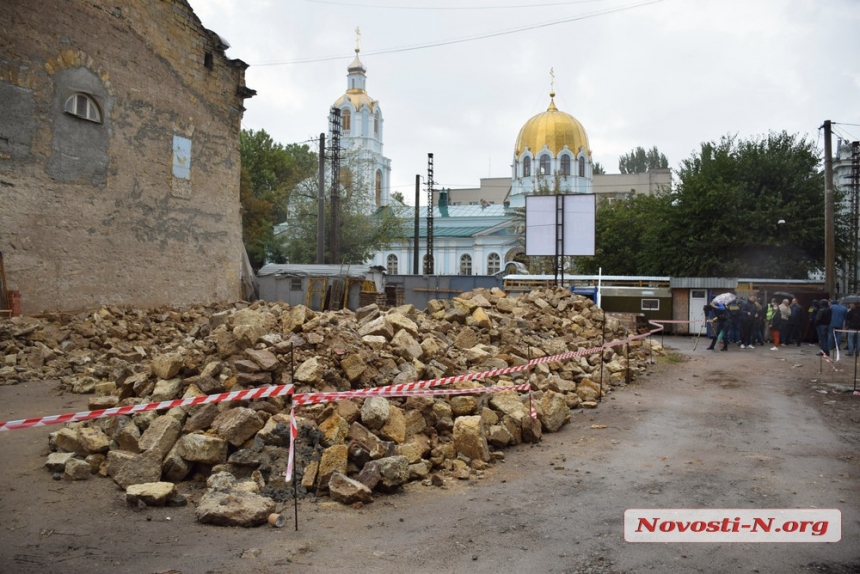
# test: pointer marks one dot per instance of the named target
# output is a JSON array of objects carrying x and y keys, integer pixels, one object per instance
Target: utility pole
[
  {"x": 829, "y": 217},
  {"x": 321, "y": 205},
  {"x": 334, "y": 232},
  {"x": 415, "y": 254}
]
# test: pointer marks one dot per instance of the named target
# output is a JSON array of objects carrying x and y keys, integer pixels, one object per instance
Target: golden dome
[
  {"x": 357, "y": 98},
  {"x": 552, "y": 128}
]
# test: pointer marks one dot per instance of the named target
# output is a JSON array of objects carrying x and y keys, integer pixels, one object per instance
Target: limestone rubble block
[
  {"x": 394, "y": 428},
  {"x": 202, "y": 448},
  {"x": 167, "y": 366},
  {"x": 333, "y": 459},
  {"x": 264, "y": 359},
  {"x": 140, "y": 468},
  {"x": 234, "y": 508},
  {"x": 469, "y": 438},
  {"x": 553, "y": 412},
  {"x": 348, "y": 491},
  {"x": 56, "y": 461},
  {"x": 588, "y": 390},
  {"x": 335, "y": 430},
  {"x": 68, "y": 440},
  {"x": 375, "y": 446},
  {"x": 310, "y": 371},
  {"x": 375, "y": 412},
  {"x": 150, "y": 493},
  {"x": 237, "y": 425},
  {"x": 93, "y": 440},
  {"x": 161, "y": 435},
  {"x": 77, "y": 469}
]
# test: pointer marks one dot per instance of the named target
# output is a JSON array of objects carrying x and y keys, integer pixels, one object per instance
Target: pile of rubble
[{"x": 347, "y": 450}]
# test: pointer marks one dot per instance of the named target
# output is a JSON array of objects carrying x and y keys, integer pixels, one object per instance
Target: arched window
[
  {"x": 494, "y": 263},
  {"x": 391, "y": 264},
  {"x": 378, "y": 188},
  {"x": 84, "y": 107},
  {"x": 346, "y": 120},
  {"x": 465, "y": 264},
  {"x": 544, "y": 165},
  {"x": 527, "y": 167},
  {"x": 565, "y": 165},
  {"x": 376, "y": 123},
  {"x": 581, "y": 167}
]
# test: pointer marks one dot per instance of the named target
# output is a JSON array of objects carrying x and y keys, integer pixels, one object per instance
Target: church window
[
  {"x": 565, "y": 165},
  {"x": 582, "y": 167},
  {"x": 391, "y": 264},
  {"x": 527, "y": 167},
  {"x": 346, "y": 120},
  {"x": 84, "y": 107},
  {"x": 494, "y": 263},
  {"x": 465, "y": 264},
  {"x": 378, "y": 188},
  {"x": 376, "y": 123},
  {"x": 544, "y": 165}
]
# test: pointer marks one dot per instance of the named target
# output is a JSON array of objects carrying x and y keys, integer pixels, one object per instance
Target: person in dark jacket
[
  {"x": 852, "y": 324},
  {"x": 838, "y": 311},
  {"x": 811, "y": 333},
  {"x": 749, "y": 317},
  {"x": 720, "y": 321},
  {"x": 792, "y": 329},
  {"x": 822, "y": 324}
]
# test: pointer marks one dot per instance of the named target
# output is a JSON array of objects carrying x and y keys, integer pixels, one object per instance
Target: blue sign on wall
[{"x": 181, "y": 157}]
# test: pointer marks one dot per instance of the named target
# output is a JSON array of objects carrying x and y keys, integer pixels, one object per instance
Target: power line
[
  {"x": 395, "y": 7},
  {"x": 466, "y": 38}
]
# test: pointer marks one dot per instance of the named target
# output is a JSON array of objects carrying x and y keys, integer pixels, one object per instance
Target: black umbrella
[
  {"x": 850, "y": 299},
  {"x": 784, "y": 295}
]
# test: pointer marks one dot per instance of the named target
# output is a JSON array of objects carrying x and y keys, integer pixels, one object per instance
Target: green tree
[
  {"x": 722, "y": 218},
  {"x": 598, "y": 169},
  {"x": 624, "y": 231},
  {"x": 270, "y": 172},
  {"x": 639, "y": 160},
  {"x": 364, "y": 229}
]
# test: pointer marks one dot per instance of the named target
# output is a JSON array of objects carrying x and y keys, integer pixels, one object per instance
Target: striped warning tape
[
  {"x": 244, "y": 395},
  {"x": 280, "y": 390}
]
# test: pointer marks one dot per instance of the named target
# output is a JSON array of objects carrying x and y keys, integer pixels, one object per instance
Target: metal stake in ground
[{"x": 295, "y": 462}]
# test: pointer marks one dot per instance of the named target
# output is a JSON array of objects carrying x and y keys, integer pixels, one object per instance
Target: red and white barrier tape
[
  {"x": 280, "y": 390},
  {"x": 249, "y": 394}
]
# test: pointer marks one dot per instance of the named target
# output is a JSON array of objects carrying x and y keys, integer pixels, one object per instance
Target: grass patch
[{"x": 674, "y": 358}]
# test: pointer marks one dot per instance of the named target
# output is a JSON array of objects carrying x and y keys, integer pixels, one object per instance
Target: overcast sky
[{"x": 670, "y": 73}]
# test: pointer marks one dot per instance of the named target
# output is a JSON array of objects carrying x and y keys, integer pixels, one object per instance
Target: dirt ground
[{"x": 749, "y": 428}]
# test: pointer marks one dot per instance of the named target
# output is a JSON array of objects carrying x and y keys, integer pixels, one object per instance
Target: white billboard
[{"x": 560, "y": 224}]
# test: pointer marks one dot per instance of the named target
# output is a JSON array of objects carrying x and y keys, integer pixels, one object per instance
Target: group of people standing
[
  {"x": 830, "y": 319},
  {"x": 738, "y": 322},
  {"x": 748, "y": 323}
]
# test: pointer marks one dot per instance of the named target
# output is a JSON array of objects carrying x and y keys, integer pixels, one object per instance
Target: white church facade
[
  {"x": 551, "y": 155},
  {"x": 362, "y": 132}
]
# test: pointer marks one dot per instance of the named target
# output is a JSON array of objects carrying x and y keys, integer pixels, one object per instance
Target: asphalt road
[{"x": 747, "y": 429}]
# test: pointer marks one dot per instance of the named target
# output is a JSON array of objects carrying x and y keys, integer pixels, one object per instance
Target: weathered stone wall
[{"x": 143, "y": 207}]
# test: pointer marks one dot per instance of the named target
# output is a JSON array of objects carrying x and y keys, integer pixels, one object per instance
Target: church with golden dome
[
  {"x": 551, "y": 155},
  {"x": 478, "y": 236},
  {"x": 361, "y": 133}
]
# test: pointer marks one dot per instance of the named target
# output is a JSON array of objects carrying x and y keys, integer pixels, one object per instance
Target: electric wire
[
  {"x": 439, "y": 8},
  {"x": 472, "y": 38}
]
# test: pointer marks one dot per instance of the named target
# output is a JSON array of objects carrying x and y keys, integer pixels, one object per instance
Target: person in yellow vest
[{"x": 768, "y": 318}]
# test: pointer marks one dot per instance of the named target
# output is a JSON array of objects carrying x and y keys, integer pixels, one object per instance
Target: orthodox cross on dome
[
  {"x": 552, "y": 82},
  {"x": 357, "y": 39}
]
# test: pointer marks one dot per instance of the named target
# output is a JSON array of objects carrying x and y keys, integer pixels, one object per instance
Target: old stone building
[{"x": 119, "y": 155}]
